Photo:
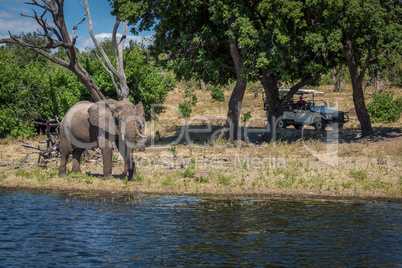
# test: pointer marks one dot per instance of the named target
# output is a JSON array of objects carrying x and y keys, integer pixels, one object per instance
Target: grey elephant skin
[{"x": 88, "y": 125}]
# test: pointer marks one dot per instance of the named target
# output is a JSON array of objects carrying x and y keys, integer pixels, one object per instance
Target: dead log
[{"x": 52, "y": 149}]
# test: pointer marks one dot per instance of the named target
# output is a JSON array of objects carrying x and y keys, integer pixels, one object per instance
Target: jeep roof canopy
[{"x": 302, "y": 91}]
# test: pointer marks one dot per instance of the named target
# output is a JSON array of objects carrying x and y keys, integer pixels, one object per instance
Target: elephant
[{"x": 88, "y": 125}]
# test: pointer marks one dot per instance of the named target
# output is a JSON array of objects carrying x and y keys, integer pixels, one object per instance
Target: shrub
[
  {"x": 224, "y": 179},
  {"x": 217, "y": 93},
  {"x": 185, "y": 109},
  {"x": 188, "y": 173},
  {"x": 384, "y": 109},
  {"x": 192, "y": 98},
  {"x": 145, "y": 81},
  {"x": 359, "y": 175},
  {"x": 246, "y": 117}
]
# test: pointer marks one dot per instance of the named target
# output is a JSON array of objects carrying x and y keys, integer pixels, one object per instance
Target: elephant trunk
[
  {"x": 129, "y": 165},
  {"x": 126, "y": 144}
]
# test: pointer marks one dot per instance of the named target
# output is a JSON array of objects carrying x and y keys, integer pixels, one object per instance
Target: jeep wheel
[
  {"x": 281, "y": 124},
  {"x": 319, "y": 125}
]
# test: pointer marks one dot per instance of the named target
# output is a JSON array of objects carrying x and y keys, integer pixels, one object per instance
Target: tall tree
[
  {"x": 217, "y": 40},
  {"x": 270, "y": 36},
  {"x": 365, "y": 32}
]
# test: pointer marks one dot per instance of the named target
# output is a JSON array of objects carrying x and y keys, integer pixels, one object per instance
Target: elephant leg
[
  {"x": 76, "y": 160},
  {"x": 107, "y": 152},
  {"x": 63, "y": 164},
  {"x": 129, "y": 164}
]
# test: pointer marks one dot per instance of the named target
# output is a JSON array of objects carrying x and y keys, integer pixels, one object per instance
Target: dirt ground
[{"x": 185, "y": 156}]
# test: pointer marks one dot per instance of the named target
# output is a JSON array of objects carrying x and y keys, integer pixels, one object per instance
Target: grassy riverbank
[{"x": 302, "y": 164}]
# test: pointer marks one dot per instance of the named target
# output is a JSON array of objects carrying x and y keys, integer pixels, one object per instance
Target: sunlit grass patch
[
  {"x": 358, "y": 175},
  {"x": 167, "y": 181},
  {"x": 224, "y": 179}
]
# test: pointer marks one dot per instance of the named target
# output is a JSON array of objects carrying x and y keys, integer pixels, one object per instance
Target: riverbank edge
[{"x": 105, "y": 194}]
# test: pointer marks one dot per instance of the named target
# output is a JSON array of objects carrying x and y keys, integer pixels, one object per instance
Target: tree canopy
[
  {"x": 243, "y": 40},
  {"x": 275, "y": 42}
]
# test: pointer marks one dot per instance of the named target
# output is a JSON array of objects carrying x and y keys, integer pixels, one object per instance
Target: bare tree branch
[
  {"x": 110, "y": 73},
  {"x": 76, "y": 27},
  {"x": 58, "y": 36},
  {"x": 37, "y": 49},
  {"x": 122, "y": 88}
]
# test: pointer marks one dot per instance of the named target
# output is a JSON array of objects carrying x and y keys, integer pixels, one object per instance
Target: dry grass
[{"x": 361, "y": 168}]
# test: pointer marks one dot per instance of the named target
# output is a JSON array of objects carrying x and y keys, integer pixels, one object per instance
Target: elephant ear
[
  {"x": 101, "y": 115},
  {"x": 139, "y": 109}
]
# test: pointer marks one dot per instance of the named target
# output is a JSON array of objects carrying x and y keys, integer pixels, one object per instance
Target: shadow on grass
[{"x": 201, "y": 136}]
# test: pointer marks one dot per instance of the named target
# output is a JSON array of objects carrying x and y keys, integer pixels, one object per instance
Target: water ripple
[{"x": 57, "y": 230}]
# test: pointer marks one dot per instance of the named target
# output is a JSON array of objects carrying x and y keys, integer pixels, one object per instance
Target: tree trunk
[
  {"x": 275, "y": 104},
  {"x": 341, "y": 83},
  {"x": 230, "y": 131},
  {"x": 203, "y": 86},
  {"x": 378, "y": 82},
  {"x": 275, "y": 109},
  {"x": 256, "y": 92},
  {"x": 361, "y": 110},
  {"x": 85, "y": 78},
  {"x": 357, "y": 85},
  {"x": 335, "y": 80}
]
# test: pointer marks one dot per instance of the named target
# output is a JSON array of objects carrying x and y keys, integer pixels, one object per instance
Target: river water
[{"x": 60, "y": 230}]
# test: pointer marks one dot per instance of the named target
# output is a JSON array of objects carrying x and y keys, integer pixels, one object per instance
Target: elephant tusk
[{"x": 142, "y": 136}]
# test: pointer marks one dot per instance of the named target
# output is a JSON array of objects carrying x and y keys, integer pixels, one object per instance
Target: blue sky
[{"x": 11, "y": 20}]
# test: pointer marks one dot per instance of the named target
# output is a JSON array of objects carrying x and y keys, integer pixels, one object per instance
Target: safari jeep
[{"x": 313, "y": 113}]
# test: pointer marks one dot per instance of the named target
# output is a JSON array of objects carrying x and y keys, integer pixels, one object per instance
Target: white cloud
[
  {"x": 15, "y": 23},
  {"x": 5, "y": 15},
  {"x": 19, "y": 8},
  {"x": 16, "y": 26}
]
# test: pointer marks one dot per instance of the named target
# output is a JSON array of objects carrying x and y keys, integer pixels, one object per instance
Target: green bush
[
  {"x": 246, "y": 117},
  {"x": 33, "y": 88},
  {"x": 192, "y": 98},
  {"x": 217, "y": 93},
  {"x": 188, "y": 173},
  {"x": 145, "y": 81},
  {"x": 384, "y": 109},
  {"x": 185, "y": 109}
]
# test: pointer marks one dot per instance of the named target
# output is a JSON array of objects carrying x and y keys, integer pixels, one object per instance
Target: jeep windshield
[{"x": 317, "y": 103}]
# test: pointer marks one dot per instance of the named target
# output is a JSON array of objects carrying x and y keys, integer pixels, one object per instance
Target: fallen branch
[{"x": 52, "y": 149}]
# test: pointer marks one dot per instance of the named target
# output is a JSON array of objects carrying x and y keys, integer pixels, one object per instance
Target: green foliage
[
  {"x": 31, "y": 94},
  {"x": 145, "y": 81},
  {"x": 224, "y": 179},
  {"x": 185, "y": 109},
  {"x": 246, "y": 116},
  {"x": 188, "y": 173},
  {"x": 203, "y": 180},
  {"x": 190, "y": 84},
  {"x": 359, "y": 175},
  {"x": 192, "y": 98},
  {"x": 217, "y": 93},
  {"x": 23, "y": 173},
  {"x": 168, "y": 181},
  {"x": 172, "y": 150},
  {"x": 33, "y": 88},
  {"x": 394, "y": 71},
  {"x": 384, "y": 108},
  {"x": 138, "y": 178}
]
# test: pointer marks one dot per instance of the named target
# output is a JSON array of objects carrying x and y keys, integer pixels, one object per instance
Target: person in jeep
[{"x": 301, "y": 103}]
